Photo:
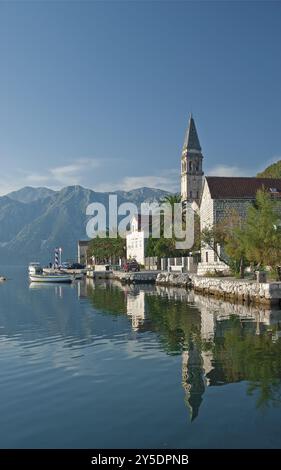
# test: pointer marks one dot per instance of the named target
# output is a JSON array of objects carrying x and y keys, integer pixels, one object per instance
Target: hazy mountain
[
  {"x": 272, "y": 171},
  {"x": 137, "y": 196},
  {"x": 30, "y": 194},
  {"x": 30, "y": 230}
]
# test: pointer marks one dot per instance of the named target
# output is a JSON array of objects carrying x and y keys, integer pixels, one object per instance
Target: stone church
[
  {"x": 191, "y": 165},
  {"x": 214, "y": 196}
]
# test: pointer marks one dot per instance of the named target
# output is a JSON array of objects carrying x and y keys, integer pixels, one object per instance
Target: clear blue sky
[{"x": 99, "y": 93}]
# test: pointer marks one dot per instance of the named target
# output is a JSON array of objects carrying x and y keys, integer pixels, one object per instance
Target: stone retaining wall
[
  {"x": 142, "y": 277},
  {"x": 173, "y": 279},
  {"x": 238, "y": 289},
  {"x": 241, "y": 290}
]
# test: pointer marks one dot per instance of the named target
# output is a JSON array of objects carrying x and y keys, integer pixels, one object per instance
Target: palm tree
[{"x": 171, "y": 199}]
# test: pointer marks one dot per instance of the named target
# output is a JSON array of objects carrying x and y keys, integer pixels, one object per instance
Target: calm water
[{"x": 101, "y": 365}]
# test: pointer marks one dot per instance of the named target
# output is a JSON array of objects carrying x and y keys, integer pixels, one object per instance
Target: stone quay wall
[
  {"x": 142, "y": 277},
  {"x": 268, "y": 293},
  {"x": 240, "y": 290},
  {"x": 173, "y": 279}
]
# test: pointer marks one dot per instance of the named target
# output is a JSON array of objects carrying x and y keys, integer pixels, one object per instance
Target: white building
[
  {"x": 136, "y": 240},
  {"x": 82, "y": 248}
]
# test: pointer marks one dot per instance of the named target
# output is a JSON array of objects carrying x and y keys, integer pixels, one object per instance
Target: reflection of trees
[
  {"x": 173, "y": 321},
  {"x": 107, "y": 299},
  {"x": 239, "y": 351},
  {"x": 255, "y": 358}
]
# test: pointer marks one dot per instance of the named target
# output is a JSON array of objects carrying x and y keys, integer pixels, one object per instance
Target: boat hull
[{"x": 53, "y": 278}]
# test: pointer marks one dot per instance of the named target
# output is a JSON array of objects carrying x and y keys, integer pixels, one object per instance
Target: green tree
[
  {"x": 164, "y": 247},
  {"x": 171, "y": 199},
  {"x": 272, "y": 171},
  {"x": 107, "y": 249},
  {"x": 161, "y": 247},
  {"x": 261, "y": 235},
  {"x": 225, "y": 238}
]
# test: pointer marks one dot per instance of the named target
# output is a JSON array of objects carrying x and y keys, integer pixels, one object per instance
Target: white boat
[
  {"x": 51, "y": 278},
  {"x": 35, "y": 268}
]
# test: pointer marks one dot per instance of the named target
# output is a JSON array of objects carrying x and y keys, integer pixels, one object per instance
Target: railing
[{"x": 180, "y": 264}]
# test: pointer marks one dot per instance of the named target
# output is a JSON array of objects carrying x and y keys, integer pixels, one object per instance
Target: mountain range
[{"x": 33, "y": 221}]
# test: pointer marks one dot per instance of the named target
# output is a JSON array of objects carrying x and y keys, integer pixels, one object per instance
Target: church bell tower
[{"x": 191, "y": 165}]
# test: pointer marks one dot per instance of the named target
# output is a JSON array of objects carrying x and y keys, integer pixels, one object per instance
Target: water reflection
[{"x": 220, "y": 342}]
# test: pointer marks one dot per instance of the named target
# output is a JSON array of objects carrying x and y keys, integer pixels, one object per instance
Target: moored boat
[
  {"x": 51, "y": 278},
  {"x": 35, "y": 268}
]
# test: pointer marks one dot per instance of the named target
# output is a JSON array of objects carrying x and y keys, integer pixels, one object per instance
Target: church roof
[
  {"x": 222, "y": 187},
  {"x": 191, "y": 141}
]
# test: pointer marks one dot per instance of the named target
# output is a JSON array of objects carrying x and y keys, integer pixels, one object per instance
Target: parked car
[
  {"x": 77, "y": 266},
  {"x": 131, "y": 265}
]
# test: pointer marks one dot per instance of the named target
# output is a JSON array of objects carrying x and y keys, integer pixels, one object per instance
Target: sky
[{"x": 99, "y": 93}]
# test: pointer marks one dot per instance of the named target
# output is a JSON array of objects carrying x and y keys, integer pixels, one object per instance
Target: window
[
  {"x": 207, "y": 257},
  {"x": 190, "y": 194},
  {"x": 190, "y": 166},
  {"x": 197, "y": 194}
]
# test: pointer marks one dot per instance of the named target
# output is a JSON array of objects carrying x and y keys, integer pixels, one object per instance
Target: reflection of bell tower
[
  {"x": 191, "y": 165},
  {"x": 193, "y": 378}
]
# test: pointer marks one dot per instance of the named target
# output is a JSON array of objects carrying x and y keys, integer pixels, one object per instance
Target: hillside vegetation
[{"x": 272, "y": 171}]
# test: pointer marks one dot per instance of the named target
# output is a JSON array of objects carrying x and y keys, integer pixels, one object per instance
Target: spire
[{"x": 191, "y": 141}]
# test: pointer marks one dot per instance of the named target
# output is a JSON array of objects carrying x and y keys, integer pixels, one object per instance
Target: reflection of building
[
  {"x": 208, "y": 321},
  {"x": 199, "y": 369},
  {"x": 82, "y": 289},
  {"x": 193, "y": 378},
  {"x": 136, "y": 308}
]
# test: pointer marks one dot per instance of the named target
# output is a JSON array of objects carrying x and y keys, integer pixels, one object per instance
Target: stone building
[
  {"x": 191, "y": 165},
  {"x": 219, "y": 196}
]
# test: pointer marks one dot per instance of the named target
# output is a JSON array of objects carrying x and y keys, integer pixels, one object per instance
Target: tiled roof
[{"x": 222, "y": 187}]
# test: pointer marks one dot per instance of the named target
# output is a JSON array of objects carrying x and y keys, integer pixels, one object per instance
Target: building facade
[
  {"x": 191, "y": 165},
  {"x": 82, "y": 248},
  {"x": 220, "y": 196},
  {"x": 136, "y": 240}
]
